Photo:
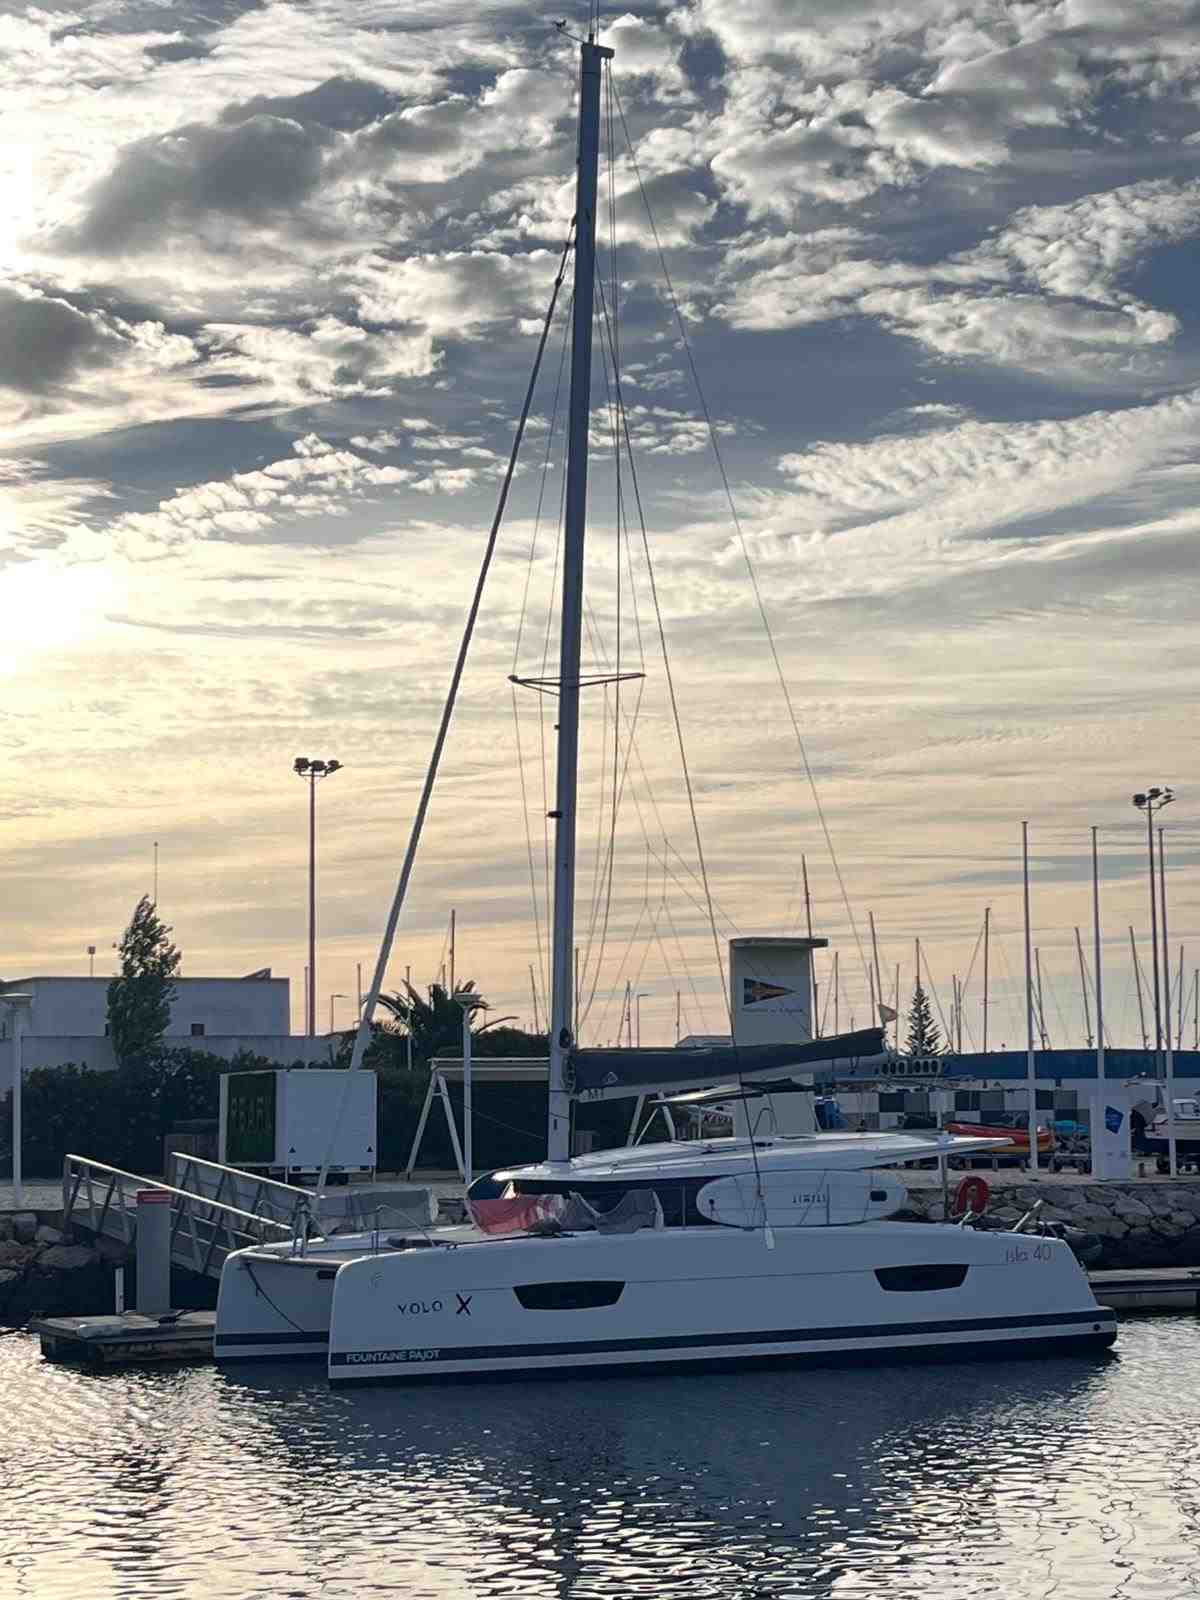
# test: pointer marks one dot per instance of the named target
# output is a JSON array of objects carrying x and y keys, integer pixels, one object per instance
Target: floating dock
[
  {"x": 1148, "y": 1289},
  {"x": 127, "y": 1338}
]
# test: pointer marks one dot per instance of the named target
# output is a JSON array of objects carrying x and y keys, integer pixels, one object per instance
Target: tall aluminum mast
[{"x": 562, "y": 999}]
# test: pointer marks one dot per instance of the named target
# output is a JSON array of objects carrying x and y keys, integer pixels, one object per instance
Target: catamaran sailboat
[{"x": 700, "y": 1254}]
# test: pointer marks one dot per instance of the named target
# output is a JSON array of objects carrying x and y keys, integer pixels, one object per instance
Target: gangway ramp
[
  {"x": 103, "y": 1201},
  {"x": 216, "y": 1209}
]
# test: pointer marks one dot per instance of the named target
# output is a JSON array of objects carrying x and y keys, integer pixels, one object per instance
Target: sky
[{"x": 271, "y": 279}]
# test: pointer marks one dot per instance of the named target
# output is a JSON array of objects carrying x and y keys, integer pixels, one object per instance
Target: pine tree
[
  {"x": 924, "y": 1035},
  {"x": 139, "y": 998}
]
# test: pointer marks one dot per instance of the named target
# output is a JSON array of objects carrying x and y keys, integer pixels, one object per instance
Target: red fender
[{"x": 972, "y": 1194}]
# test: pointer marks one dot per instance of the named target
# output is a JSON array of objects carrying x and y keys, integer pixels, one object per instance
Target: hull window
[
  {"x": 567, "y": 1296},
  {"x": 907, "y": 1280}
]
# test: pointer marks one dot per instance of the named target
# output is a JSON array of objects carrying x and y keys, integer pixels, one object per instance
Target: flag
[
  {"x": 886, "y": 1014},
  {"x": 753, "y": 991}
]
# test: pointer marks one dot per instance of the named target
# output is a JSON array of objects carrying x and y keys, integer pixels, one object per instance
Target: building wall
[{"x": 77, "y": 1007}]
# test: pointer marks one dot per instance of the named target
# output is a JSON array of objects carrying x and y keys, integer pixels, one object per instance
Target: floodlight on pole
[
  {"x": 312, "y": 772},
  {"x": 1150, "y": 801}
]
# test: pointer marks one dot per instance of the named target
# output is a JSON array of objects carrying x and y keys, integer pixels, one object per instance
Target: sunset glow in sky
[{"x": 270, "y": 280}]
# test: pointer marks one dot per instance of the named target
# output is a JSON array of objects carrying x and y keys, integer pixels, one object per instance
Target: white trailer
[{"x": 291, "y": 1122}]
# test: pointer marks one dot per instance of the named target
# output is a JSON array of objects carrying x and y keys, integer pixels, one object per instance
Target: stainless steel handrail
[
  {"x": 157, "y": 1183},
  {"x": 203, "y": 1230}
]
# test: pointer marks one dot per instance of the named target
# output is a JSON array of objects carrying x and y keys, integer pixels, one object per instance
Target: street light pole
[
  {"x": 15, "y": 1002},
  {"x": 468, "y": 1000},
  {"x": 312, "y": 771},
  {"x": 638, "y": 1013},
  {"x": 1151, "y": 801},
  {"x": 1030, "y": 1065},
  {"x": 1169, "y": 1057}
]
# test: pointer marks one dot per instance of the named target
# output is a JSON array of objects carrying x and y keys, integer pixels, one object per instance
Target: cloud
[
  {"x": 659, "y": 431},
  {"x": 646, "y": 49},
  {"x": 1007, "y": 467},
  {"x": 67, "y": 369},
  {"x": 908, "y": 515},
  {"x": 317, "y": 480},
  {"x": 1022, "y": 330},
  {"x": 200, "y": 178},
  {"x": 37, "y": 510},
  {"x": 1081, "y": 250},
  {"x": 1043, "y": 292},
  {"x": 44, "y": 341},
  {"x": 456, "y": 294},
  {"x": 329, "y": 359}
]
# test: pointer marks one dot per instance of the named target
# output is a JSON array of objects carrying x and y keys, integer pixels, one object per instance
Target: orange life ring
[{"x": 971, "y": 1195}]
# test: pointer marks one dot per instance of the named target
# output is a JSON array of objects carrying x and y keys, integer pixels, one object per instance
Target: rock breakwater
[
  {"x": 44, "y": 1271},
  {"x": 1140, "y": 1224}
]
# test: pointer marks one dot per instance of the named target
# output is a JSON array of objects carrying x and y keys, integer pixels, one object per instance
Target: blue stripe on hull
[
  {"x": 249, "y": 1346},
  {"x": 1080, "y": 1344},
  {"x": 1102, "y": 1324}
]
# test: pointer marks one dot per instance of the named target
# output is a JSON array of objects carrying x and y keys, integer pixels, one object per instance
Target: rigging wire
[
  {"x": 668, "y": 673},
  {"x": 762, "y": 610},
  {"x": 946, "y": 1032},
  {"x": 1012, "y": 984},
  {"x": 555, "y": 413},
  {"x": 363, "y": 1031}
]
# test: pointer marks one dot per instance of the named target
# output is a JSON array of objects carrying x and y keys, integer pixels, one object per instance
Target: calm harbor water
[{"x": 1023, "y": 1480}]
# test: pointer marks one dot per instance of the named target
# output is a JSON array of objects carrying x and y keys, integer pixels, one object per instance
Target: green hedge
[{"x": 122, "y": 1116}]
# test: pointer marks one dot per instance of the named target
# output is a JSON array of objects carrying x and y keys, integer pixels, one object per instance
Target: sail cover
[{"x": 610, "y": 1074}]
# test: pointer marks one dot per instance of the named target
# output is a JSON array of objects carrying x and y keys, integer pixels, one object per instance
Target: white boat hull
[
  {"x": 704, "y": 1297},
  {"x": 274, "y": 1307}
]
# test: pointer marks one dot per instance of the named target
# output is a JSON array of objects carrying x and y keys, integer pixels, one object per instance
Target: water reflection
[{"x": 1024, "y": 1480}]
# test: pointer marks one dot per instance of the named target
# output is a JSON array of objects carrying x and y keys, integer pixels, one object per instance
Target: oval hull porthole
[
  {"x": 583, "y": 1296},
  {"x": 921, "y": 1279}
]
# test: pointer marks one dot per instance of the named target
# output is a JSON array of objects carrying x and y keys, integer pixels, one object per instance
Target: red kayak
[{"x": 1019, "y": 1137}]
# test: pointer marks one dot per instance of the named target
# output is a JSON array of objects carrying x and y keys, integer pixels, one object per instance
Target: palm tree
[{"x": 434, "y": 1023}]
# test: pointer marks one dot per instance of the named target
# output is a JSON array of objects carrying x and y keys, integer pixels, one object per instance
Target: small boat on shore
[{"x": 1018, "y": 1137}]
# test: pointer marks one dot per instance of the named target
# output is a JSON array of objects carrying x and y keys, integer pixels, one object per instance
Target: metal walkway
[
  {"x": 103, "y": 1200},
  {"x": 215, "y": 1209}
]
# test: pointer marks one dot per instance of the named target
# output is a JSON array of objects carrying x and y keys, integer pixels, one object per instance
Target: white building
[{"x": 66, "y": 1020}]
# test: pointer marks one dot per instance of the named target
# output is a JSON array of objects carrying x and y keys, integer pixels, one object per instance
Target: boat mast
[
  {"x": 1087, "y": 1021},
  {"x": 562, "y": 1009},
  {"x": 987, "y": 928},
  {"x": 1137, "y": 974}
]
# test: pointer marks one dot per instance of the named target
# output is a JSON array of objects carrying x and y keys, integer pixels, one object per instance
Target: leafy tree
[
  {"x": 924, "y": 1035},
  {"x": 435, "y": 1023},
  {"x": 139, "y": 998}
]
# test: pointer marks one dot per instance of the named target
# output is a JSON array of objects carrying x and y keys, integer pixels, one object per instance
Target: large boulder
[
  {"x": 48, "y": 1235},
  {"x": 24, "y": 1227},
  {"x": 67, "y": 1257}
]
